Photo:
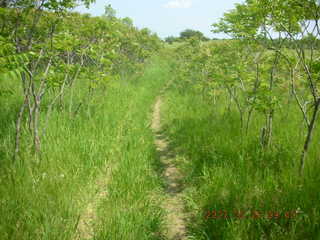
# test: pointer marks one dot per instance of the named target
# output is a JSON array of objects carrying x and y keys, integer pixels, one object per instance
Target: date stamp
[{"x": 249, "y": 214}]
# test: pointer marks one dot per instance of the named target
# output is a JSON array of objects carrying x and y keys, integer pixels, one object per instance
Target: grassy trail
[
  {"x": 69, "y": 192},
  {"x": 112, "y": 173},
  {"x": 175, "y": 217},
  {"x": 128, "y": 206},
  {"x": 170, "y": 218},
  {"x": 85, "y": 226}
]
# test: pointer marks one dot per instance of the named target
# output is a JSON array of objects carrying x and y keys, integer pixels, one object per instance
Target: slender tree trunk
[
  {"x": 36, "y": 138},
  {"x": 233, "y": 96},
  {"x": 255, "y": 89},
  {"x": 269, "y": 128},
  {"x": 25, "y": 87},
  {"x": 18, "y": 129},
  {"x": 269, "y": 120},
  {"x": 309, "y": 136},
  {"x": 248, "y": 120}
]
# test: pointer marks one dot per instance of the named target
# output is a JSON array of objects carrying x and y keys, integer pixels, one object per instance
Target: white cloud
[{"x": 178, "y": 4}]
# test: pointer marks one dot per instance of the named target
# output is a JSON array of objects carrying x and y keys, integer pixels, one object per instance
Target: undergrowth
[
  {"x": 234, "y": 188},
  {"x": 42, "y": 197}
]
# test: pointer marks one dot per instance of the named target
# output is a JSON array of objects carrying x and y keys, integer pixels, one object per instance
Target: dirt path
[
  {"x": 175, "y": 217},
  {"x": 88, "y": 218}
]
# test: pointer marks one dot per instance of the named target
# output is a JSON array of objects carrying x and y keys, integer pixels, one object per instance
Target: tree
[
  {"x": 49, "y": 50},
  {"x": 109, "y": 11},
  {"x": 272, "y": 24},
  {"x": 189, "y": 33},
  {"x": 128, "y": 21},
  {"x": 171, "y": 39}
]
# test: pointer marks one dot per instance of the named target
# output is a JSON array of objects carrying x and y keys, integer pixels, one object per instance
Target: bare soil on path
[
  {"x": 88, "y": 217},
  {"x": 175, "y": 217},
  {"x": 175, "y": 220}
]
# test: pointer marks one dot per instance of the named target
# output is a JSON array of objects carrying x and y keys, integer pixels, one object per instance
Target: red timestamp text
[{"x": 250, "y": 214}]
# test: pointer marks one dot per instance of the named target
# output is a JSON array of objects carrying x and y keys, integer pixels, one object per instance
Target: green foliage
[
  {"x": 109, "y": 11},
  {"x": 76, "y": 93},
  {"x": 11, "y": 64},
  {"x": 171, "y": 39},
  {"x": 252, "y": 103},
  {"x": 238, "y": 180},
  {"x": 44, "y": 199},
  {"x": 103, "y": 45},
  {"x": 189, "y": 33}
]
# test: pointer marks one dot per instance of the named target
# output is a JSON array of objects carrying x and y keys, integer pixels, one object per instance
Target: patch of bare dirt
[
  {"x": 88, "y": 218},
  {"x": 175, "y": 221}
]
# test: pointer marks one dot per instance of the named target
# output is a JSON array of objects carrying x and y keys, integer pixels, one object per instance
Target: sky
[{"x": 167, "y": 17}]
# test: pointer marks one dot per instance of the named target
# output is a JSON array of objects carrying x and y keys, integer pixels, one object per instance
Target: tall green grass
[
  {"x": 43, "y": 197},
  {"x": 223, "y": 174},
  {"x": 132, "y": 209}
]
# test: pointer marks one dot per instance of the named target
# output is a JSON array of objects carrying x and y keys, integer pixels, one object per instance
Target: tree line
[
  {"x": 46, "y": 49},
  {"x": 271, "y": 62}
]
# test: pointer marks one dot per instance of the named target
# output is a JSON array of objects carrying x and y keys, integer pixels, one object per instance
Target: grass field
[
  {"x": 236, "y": 190},
  {"x": 43, "y": 197},
  {"x": 233, "y": 189}
]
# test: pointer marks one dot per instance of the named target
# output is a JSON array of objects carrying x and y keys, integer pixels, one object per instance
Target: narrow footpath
[
  {"x": 175, "y": 221},
  {"x": 88, "y": 218}
]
